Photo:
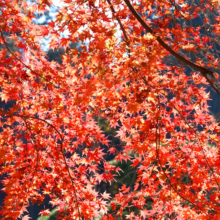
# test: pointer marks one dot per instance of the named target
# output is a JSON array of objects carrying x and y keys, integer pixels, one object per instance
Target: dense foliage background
[{"x": 118, "y": 119}]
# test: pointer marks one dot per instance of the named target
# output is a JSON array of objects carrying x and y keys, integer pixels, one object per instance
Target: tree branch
[{"x": 205, "y": 72}]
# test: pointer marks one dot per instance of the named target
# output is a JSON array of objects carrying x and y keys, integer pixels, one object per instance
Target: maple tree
[{"x": 50, "y": 141}]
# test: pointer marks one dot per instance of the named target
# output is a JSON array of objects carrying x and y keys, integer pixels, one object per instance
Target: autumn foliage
[{"x": 144, "y": 66}]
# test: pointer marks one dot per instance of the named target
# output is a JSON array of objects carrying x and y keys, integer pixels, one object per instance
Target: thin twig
[
  {"x": 11, "y": 52},
  {"x": 61, "y": 146}
]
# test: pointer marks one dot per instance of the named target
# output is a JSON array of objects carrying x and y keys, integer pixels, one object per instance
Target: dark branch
[{"x": 205, "y": 72}]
